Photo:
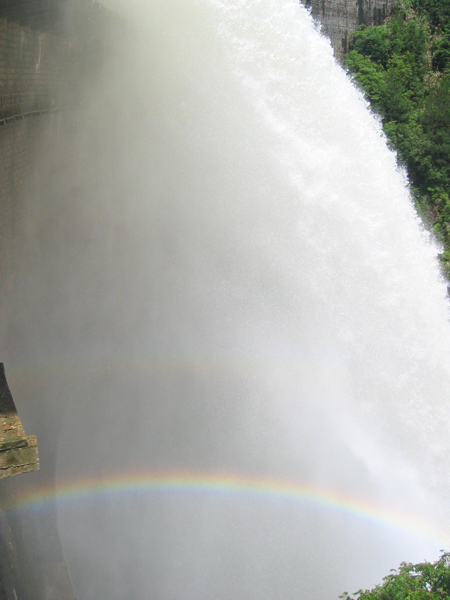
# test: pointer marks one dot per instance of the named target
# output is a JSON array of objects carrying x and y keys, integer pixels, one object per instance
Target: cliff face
[{"x": 340, "y": 17}]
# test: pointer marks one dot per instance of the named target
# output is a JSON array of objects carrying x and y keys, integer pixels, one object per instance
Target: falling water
[{"x": 224, "y": 279}]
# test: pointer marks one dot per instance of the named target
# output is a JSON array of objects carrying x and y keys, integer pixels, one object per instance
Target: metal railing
[{"x": 18, "y": 106}]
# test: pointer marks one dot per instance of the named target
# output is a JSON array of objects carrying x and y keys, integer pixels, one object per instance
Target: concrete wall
[
  {"x": 32, "y": 61},
  {"x": 339, "y": 18},
  {"x": 18, "y": 145},
  {"x": 38, "y": 70}
]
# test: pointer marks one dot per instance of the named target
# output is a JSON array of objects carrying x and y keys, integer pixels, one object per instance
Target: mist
[{"x": 221, "y": 273}]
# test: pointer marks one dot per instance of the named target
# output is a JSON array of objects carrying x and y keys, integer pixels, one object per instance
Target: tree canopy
[
  {"x": 403, "y": 67},
  {"x": 424, "y": 581}
]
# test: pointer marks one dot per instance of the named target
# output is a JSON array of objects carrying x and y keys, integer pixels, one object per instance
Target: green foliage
[
  {"x": 441, "y": 51},
  {"x": 403, "y": 67},
  {"x": 424, "y": 581},
  {"x": 368, "y": 75},
  {"x": 436, "y": 11},
  {"x": 373, "y": 43}
]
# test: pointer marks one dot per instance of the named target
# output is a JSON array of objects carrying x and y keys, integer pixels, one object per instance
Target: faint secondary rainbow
[{"x": 120, "y": 486}]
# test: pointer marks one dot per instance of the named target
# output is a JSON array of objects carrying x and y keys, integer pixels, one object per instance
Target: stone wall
[{"x": 339, "y": 18}]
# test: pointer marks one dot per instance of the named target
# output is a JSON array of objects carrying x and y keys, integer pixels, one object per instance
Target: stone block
[{"x": 18, "y": 452}]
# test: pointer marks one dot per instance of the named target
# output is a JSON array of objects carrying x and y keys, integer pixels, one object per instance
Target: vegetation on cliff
[
  {"x": 424, "y": 581},
  {"x": 403, "y": 67}
]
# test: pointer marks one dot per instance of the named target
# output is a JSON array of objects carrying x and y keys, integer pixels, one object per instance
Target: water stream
[{"x": 239, "y": 317}]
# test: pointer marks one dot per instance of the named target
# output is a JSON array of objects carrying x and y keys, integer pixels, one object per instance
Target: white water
[{"x": 234, "y": 280}]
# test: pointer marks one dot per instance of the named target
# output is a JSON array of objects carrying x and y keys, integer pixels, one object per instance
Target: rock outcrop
[{"x": 339, "y": 18}]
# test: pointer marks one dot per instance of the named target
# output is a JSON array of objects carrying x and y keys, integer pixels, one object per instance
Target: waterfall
[{"x": 242, "y": 332}]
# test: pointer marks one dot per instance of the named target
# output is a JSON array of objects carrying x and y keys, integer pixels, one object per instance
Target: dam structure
[{"x": 47, "y": 49}]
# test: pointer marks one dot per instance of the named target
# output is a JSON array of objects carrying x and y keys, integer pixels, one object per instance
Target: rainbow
[{"x": 225, "y": 485}]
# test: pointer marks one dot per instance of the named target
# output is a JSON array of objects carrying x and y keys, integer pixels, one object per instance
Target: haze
[{"x": 222, "y": 273}]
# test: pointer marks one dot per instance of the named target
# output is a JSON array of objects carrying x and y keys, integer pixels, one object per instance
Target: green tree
[
  {"x": 397, "y": 92},
  {"x": 436, "y": 11},
  {"x": 368, "y": 75},
  {"x": 436, "y": 125},
  {"x": 441, "y": 51},
  {"x": 424, "y": 581},
  {"x": 372, "y": 42},
  {"x": 403, "y": 68}
]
